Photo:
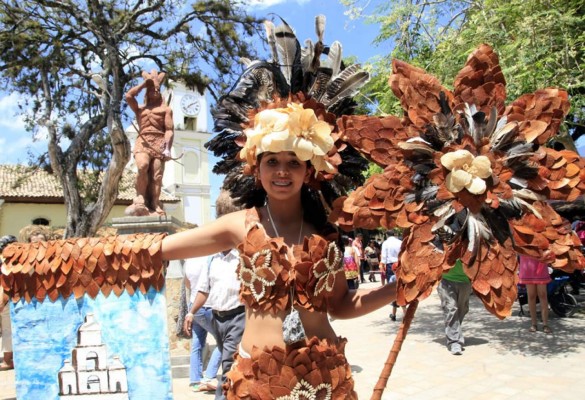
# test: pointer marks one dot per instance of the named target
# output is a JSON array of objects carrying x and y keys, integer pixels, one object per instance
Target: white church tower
[{"x": 188, "y": 177}]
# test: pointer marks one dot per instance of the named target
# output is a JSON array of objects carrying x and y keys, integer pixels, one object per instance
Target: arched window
[
  {"x": 93, "y": 384},
  {"x": 41, "y": 221},
  {"x": 68, "y": 389},
  {"x": 91, "y": 361}
]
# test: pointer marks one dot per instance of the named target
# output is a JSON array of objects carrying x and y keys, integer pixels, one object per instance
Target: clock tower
[{"x": 187, "y": 177}]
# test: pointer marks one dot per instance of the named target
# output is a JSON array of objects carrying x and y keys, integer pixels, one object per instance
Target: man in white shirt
[
  {"x": 389, "y": 257},
  {"x": 219, "y": 288},
  {"x": 390, "y": 252}
]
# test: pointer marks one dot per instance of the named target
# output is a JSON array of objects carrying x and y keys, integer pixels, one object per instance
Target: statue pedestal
[
  {"x": 174, "y": 273},
  {"x": 129, "y": 225}
]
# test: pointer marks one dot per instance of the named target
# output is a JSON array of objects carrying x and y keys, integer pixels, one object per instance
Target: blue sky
[{"x": 355, "y": 36}]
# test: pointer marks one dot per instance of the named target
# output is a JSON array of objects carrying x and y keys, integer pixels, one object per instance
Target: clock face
[{"x": 190, "y": 105}]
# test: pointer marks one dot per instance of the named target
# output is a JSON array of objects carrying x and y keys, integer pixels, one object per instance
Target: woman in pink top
[{"x": 534, "y": 274}]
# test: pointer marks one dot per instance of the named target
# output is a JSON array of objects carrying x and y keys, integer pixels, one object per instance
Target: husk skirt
[{"x": 316, "y": 369}]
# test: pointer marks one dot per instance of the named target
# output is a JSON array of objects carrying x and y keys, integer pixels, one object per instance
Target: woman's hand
[{"x": 188, "y": 324}]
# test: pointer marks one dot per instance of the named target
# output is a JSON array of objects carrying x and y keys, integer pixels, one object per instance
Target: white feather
[
  {"x": 271, "y": 38},
  {"x": 444, "y": 209},
  {"x": 529, "y": 206},
  {"x": 320, "y": 27},
  {"x": 307, "y": 54},
  {"x": 334, "y": 58},
  {"x": 521, "y": 182},
  {"x": 444, "y": 212},
  {"x": 528, "y": 194}
]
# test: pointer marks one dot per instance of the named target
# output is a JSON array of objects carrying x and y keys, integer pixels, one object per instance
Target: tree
[
  {"x": 72, "y": 60},
  {"x": 540, "y": 43}
]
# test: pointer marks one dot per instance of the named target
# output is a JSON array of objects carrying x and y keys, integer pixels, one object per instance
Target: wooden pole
[{"x": 393, "y": 355}]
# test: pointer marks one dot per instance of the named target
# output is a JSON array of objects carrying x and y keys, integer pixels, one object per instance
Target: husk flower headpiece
[
  {"x": 293, "y": 128},
  {"x": 290, "y": 103},
  {"x": 295, "y": 124}
]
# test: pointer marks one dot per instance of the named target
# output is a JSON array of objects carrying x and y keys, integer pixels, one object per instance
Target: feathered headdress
[
  {"x": 469, "y": 178},
  {"x": 290, "y": 103}
]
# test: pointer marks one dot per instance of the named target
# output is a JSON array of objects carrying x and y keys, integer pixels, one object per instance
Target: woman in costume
[{"x": 288, "y": 172}]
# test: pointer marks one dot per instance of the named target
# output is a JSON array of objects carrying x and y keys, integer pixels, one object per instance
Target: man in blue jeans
[
  {"x": 198, "y": 323},
  {"x": 219, "y": 287}
]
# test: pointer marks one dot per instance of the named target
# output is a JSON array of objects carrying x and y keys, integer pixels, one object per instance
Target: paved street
[{"x": 502, "y": 360}]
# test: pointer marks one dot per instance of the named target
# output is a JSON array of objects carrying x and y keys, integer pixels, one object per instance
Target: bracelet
[{"x": 189, "y": 314}]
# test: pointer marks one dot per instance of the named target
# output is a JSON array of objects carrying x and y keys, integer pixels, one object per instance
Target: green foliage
[
  {"x": 541, "y": 43},
  {"x": 73, "y": 60},
  {"x": 373, "y": 169}
]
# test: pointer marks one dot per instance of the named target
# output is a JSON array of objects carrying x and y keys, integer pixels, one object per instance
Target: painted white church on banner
[{"x": 89, "y": 377}]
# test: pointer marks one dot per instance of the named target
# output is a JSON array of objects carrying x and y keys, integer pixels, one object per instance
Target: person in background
[
  {"x": 394, "y": 305},
  {"x": 35, "y": 233},
  {"x": 350, "y": 263},
  {"x": 200, "y": 324},
  {"x": 373, "y": 259},
  {"x": 8, "y": 358},
  {"x": 218, "y": 287},
  {"x": 358, "y": 248},
  {"x": 454, "y": 291},
  {"x": 37, "y": 237},
  {"x": 389, "y": 253},
  {"x": 534, "y": 274}
]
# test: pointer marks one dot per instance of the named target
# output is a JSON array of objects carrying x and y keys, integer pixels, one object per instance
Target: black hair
[
  {"x": 313, "y": 208},
  {"x": 6, "y": 240},
  {"x": 345, "y": 240}
]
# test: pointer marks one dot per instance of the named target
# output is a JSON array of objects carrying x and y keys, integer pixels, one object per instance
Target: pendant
[{"x": 292, "y": 328}]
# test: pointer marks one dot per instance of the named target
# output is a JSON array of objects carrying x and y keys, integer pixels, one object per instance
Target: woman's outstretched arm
[
  {"x": 224, "y": 233},
  {"x": 355, "y": 303}
]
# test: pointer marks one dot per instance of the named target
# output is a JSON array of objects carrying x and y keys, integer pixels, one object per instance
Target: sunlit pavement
[{"x": 502, "y": 360}]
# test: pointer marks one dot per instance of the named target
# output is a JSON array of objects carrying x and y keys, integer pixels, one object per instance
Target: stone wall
[{"x": 178, "y": 346}]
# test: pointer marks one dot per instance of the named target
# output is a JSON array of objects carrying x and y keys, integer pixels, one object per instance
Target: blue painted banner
[{"x": 133, "y": 329}]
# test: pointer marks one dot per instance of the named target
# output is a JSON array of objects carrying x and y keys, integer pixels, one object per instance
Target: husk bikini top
[{"x": 270, "y": 279}]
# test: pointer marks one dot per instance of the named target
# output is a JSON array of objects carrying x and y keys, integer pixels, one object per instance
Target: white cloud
[
  {"x": 9, "y": 112},
  {"x": 15, "y": 140},
  {"x": 261, "y": 4}
]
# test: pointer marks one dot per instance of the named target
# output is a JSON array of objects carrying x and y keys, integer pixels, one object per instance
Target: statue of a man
[{"x": 153, "y": 144}]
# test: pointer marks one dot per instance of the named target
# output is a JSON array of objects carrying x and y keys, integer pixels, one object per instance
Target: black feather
[{"x": 498, "y": 223}]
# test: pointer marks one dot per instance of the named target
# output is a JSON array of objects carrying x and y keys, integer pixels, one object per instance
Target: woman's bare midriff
[{"x": 265, "y": 329}]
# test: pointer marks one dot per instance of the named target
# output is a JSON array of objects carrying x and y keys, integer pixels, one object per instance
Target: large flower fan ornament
[{"x": 467, "y": 177}]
